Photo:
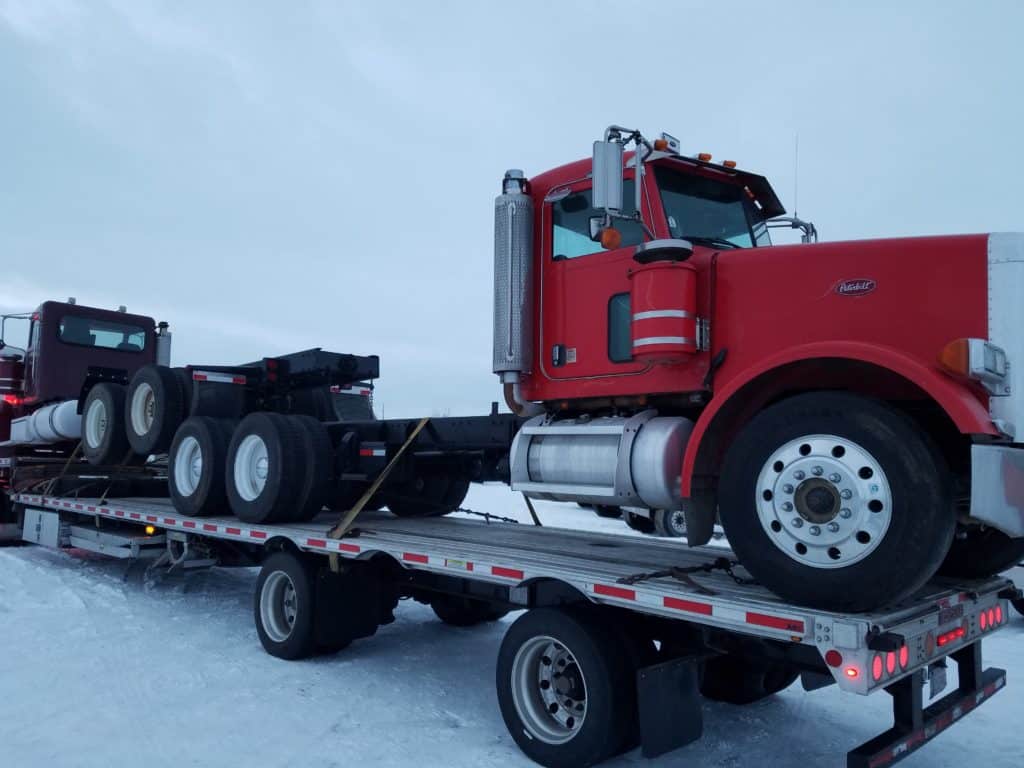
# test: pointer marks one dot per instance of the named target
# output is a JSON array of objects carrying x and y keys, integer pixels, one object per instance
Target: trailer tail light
[
  {"x": 949, "y": 637},
  {"x": 876, "y": 667},
  {"x": 851, "y": 672},
  {"x": 983, "y": 620},
  {"x": 904, "y": 657},
  {"x": 890, "y": 662},
  {"x": 12, "y": 399},
  {"x": 834, "y": 658},
  {"x": 999, "y": 614}
]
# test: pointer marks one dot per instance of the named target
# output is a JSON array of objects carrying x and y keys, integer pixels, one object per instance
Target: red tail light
[
  {"x": 12, "y": 399},
  {"x": 983, "y": 620},
  {"x": 904, "y": 657},
  {"x": 876, "y": 667},
  {"x": 999, "y": 614},
  {"x": 890, "y": 662}
]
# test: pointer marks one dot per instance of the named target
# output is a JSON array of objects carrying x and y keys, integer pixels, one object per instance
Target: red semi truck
[{"x": 846, "y": 411}]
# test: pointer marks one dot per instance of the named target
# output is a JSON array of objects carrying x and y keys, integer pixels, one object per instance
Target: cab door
[{"x": 585, "y": 308}]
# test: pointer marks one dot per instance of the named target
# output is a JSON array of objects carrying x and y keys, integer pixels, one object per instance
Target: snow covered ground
[{"x": 96, "y": 670}]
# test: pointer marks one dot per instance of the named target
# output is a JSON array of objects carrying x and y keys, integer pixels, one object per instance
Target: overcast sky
[{"x": 274, "y": 176}]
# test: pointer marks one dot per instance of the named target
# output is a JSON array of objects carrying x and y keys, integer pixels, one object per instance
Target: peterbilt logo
[{"x": 859, "y": 287}]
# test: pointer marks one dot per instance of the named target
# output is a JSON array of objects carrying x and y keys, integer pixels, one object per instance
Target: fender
[{"x": 968, "y": 414}]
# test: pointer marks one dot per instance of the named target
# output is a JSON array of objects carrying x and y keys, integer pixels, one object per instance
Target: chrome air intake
[
  {"x": 513, "y": 268},
  {"x": 634, "y": 461}
]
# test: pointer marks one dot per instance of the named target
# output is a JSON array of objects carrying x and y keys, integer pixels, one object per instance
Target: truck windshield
[
  {"x": 93, "y": 332},
  {"x": 698, "y": 208}
]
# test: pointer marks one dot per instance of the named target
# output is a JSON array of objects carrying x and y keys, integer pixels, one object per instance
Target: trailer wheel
[
  {"x": 670, "y": 523},
  {"x": 836, "y": 501},
  {"x": 738, "y": 680},
  {"x": 317, "y": 475},
  {"x": 104, "y": 441},
  {"x": 980, "y": 552},
  {"x": 564, "y": 688},
  {"x": 266, "y": 468},
  {"x": 284, "y": 607},
  {"x": 195, "y": 469},
  {"x": 154, "y": 409},
  {"x": 464, "y": 611}
]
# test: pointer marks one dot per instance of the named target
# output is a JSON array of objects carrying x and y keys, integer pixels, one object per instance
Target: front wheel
[{"x": 836, "y": 501}]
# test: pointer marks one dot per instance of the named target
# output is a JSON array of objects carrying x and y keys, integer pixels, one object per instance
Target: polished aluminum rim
[
  {"x": 824, "y": 501},
  {"x": 188, "y": 466},
  {"x": 549, "y": 690},
  {"x": 278, "y": 606},
  {"x": 251, "y": 467}
]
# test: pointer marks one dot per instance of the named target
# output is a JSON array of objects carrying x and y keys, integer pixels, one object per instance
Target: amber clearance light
[{"x": 979, "y": 360}]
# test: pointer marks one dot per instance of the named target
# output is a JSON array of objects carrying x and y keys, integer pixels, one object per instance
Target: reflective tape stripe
[
  {"x": 218, "y": 378},
  {"x": 362, "y": 391},
  {"x": 655, "y": 313},
  {"x": 651, "y": 340}
]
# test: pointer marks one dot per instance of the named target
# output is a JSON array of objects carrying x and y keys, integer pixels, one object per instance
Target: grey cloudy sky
[{"x": 274, "y": 176}]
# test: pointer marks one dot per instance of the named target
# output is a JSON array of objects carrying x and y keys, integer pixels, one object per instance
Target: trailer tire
[
  {"x": 154, "y": 409},
  {"x": 284, "y": 607},
  {"x": 104, "y": 441},
  {"x": 981, "y": 553},
  {"x": 266, "y": 468},
  {"x": 195, "y": 466},
  {"x": 317, "y": 476},
  {"x": 460, "y": 611},
  {"x": 597, "y": 677},
  {"x": 670, "y": 523},
  {"x": 738, "y": 680},
  {"x": 856, "y": 508}
]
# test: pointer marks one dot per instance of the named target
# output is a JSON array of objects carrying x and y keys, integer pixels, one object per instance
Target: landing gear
[{"x": 836, "y": 501}]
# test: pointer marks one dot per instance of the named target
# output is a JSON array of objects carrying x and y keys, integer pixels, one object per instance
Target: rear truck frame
[{"x": 619, "y": 637}]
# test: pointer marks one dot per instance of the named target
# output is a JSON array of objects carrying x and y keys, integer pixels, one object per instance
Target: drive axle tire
[
  {"x": 738, "y": 680},
  {"x": 266, "y": 468},
  {"x": 154, "y": 409},
  {"x": 316, "y": 482},
  {"x": 836, "y": 501},
  {"x": 607, "y": 511},
  {"x": 285, "y": 607},
  {"x": 565, "y": 688},
  {"x": 425, "y": 497},
  {"x": 979, "y": 553},
  {"x": 195, "y": 469},
  {"x": 104, "y": 441},
  {"x": 639, "y": 522},
  {"x": 464, "y": 611}
]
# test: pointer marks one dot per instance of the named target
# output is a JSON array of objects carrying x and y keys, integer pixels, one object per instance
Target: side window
[
  {"x": 570, "y": 219},
  {"x": 620, "y": 339}
]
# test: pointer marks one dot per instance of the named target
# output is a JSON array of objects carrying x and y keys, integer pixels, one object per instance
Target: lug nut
[
  {"x": 787, "y": 507},
  {"x": 798, "y": 522},
  {"x": 815, "y": 530},
  {"x": 817, "y": 471},
  {"x": 835, "y": 477},
  {"x": 845, "y": 513},
  {"x": 846, "y": 493},
  {"x": 833, "y": 526},
  {"x": 799, "y": 474},
  {"x": 787, "y": 488}
]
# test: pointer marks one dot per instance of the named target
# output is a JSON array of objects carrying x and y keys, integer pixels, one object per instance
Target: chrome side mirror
[
  {"x": 607, "y": 176},
  {"x": 596, "y": 228}
]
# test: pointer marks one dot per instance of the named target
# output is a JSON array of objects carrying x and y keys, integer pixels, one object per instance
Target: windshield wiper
[{"x": 715, "y": 242}]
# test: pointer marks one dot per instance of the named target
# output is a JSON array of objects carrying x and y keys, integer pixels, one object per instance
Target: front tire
[
  {"x": 670, "y": 523},
  {"x": 837, "y": 502}
]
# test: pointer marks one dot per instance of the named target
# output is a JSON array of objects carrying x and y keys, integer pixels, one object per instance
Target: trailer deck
[{"x": 604, "y": 568}]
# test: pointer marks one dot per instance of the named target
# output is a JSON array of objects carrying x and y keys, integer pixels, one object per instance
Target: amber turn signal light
[
  {"x": 611, "y": 238},
  {"x": 955, "y": 357}
]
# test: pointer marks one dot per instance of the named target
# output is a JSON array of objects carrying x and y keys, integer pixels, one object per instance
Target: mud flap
[{"x": 669, "y": 705}]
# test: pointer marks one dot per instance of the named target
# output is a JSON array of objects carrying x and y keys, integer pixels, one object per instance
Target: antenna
[{"x": 796, "y": 172}]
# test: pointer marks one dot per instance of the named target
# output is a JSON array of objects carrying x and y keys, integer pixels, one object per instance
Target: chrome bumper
[{"x": 997, "y": 487}]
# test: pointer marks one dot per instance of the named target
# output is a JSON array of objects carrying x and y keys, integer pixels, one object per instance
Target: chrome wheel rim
[
  {"x": 548, "y": 690},
  {"x": 278, "y": 606},
  {"x": 251, "y": 467},
  {"x": 188, "y": 466},
  {"x": 95, "y": 423},
  {"x": 824, "y": 500},
  {"x": 142, "y": 410},
  {"x": 675, "y": 522}
]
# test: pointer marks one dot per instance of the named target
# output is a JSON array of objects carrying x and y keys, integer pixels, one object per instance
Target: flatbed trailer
[{"x": 669, "y": 621}]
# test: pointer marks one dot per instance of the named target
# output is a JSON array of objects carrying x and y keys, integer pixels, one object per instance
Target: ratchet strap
[{"x": 345, "y": 524}]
